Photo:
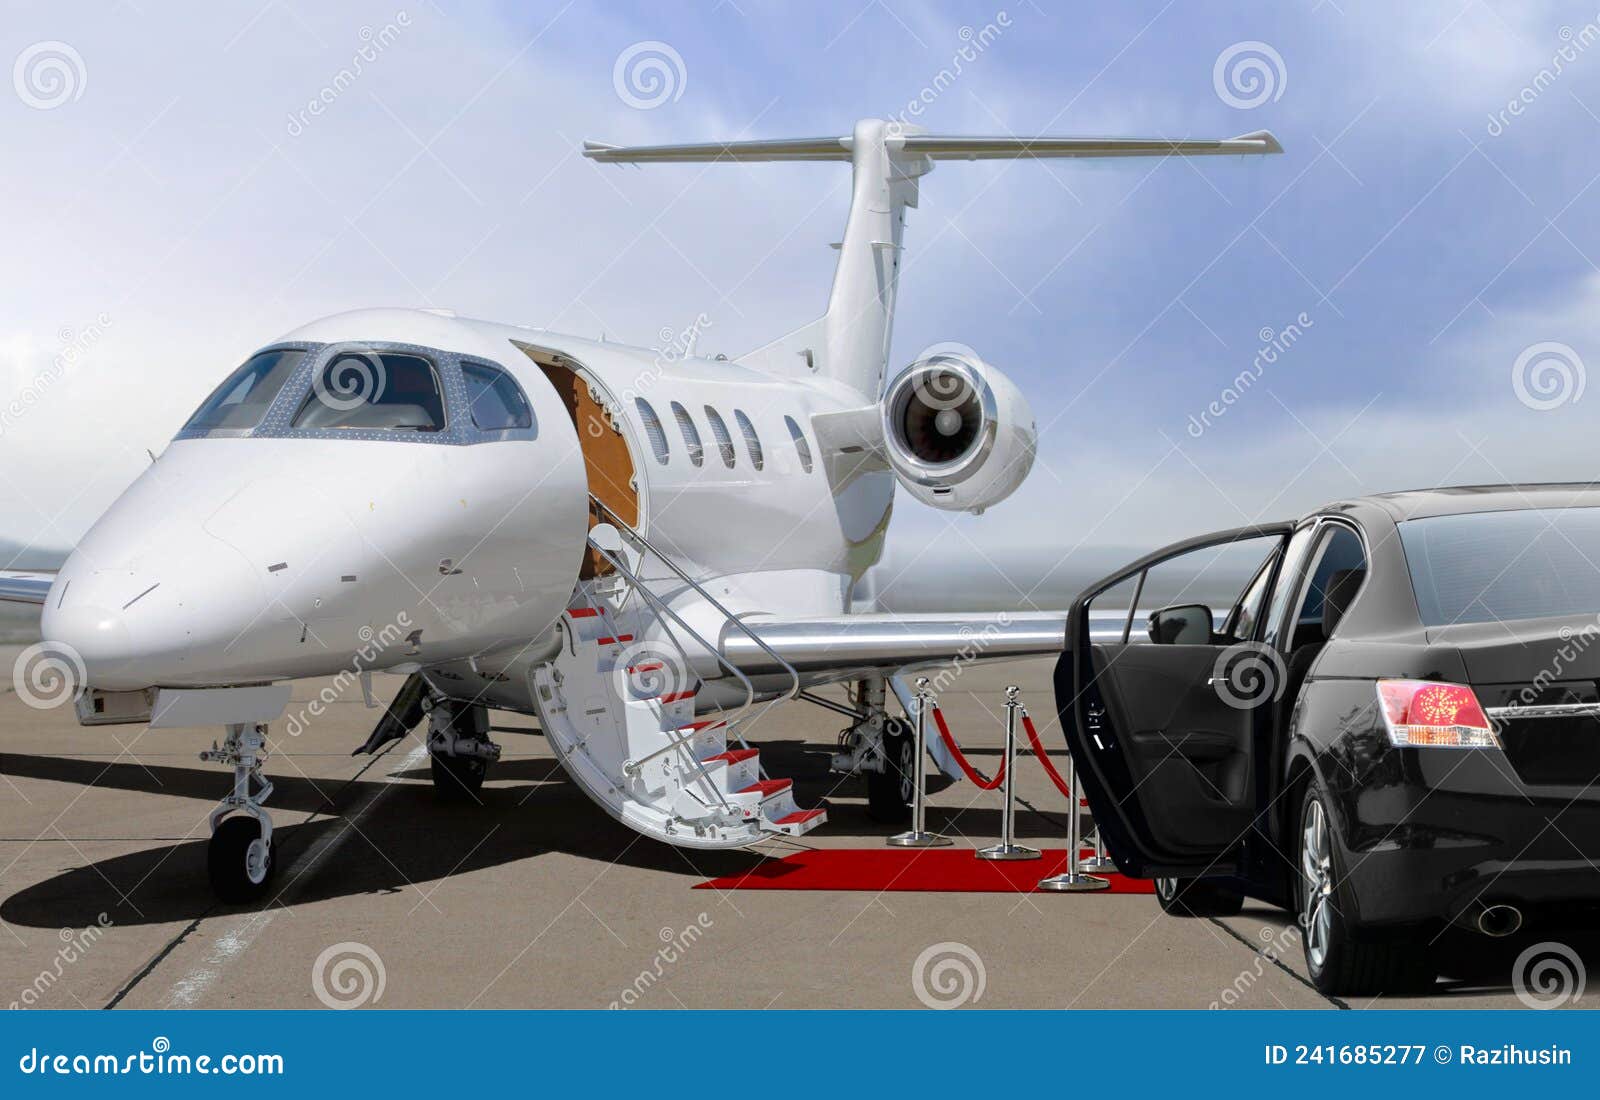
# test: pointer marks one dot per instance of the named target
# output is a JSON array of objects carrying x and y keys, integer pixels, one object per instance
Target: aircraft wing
[
  {"x": 25, "y": 585},
  {"x": 890, "y": 641}
]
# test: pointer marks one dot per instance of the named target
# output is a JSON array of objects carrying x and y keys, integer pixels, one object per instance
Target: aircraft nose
[{"x": 93, "y": 637}]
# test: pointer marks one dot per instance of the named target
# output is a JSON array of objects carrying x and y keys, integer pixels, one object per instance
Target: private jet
[{"x": 646, "y": 549}]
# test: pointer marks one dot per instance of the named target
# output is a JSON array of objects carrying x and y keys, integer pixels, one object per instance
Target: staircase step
[
  {"x": 733, "y": 756},
  {"x": 797, "y": 823},
  {"x": 800, "y": 817},
  {"x": 768, "y": 788}
]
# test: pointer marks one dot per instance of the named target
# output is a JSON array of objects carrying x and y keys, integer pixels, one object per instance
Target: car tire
[
  {"x": 889, "y": 791},
  {"x": 1342, "y": 958},
  {"x": 1195, "y": 897}
]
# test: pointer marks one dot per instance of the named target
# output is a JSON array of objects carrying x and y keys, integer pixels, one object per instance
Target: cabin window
[
  {"x": 691, "y": 434},
  {"x": 802, "y": 448},
  {"x": 719, "y": 432},
  {"x": 241, "y": 402},
  {"x": 495, "y": 400},
  {"x": 653, "y": 429},
  {"x": 752, "y": 442},
  {"x": 374, "y": 391}
]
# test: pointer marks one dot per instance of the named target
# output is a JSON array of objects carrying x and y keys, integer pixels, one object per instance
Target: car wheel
[
  {"x": 889, "y": 791},
  {"x": 1194, "y": 897},
  {"x": 1343, "y": 959}
]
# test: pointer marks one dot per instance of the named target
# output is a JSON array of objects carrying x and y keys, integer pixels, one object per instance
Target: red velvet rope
[
  {"x": 1038, "y": 751},
  {"x": 955, "y": 751}
]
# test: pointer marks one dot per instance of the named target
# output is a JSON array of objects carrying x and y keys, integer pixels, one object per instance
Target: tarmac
[{"x": 387, "y": 898}]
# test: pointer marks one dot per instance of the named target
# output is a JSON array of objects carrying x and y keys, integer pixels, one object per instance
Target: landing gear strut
[
  {"x": 239, "y": 858},
  {"x": 884, "y": 750},
  {"x": 459, "y": 750}
]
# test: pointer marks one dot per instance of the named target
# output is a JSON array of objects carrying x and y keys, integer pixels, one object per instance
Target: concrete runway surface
[{"x": 536, "y": 899}]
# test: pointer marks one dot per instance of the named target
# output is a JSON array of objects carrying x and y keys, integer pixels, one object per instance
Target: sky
[{"x": 1423, "y": 253}]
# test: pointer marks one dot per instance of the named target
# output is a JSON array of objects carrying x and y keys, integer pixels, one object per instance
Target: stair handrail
[
  {"x": 631, "y": 767},
  {"x": 622, "y": 525}
]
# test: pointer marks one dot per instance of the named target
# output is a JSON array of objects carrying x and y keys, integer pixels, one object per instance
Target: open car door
[{"x": 1162, "y": 728}]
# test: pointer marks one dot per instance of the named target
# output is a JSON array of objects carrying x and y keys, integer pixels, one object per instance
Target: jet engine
[{"x": 958, "y": 433}]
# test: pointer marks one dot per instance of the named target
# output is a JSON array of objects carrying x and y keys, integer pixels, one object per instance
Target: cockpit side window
[
  {"x": 496, "y": 402},
  {"x": 241, "y": 402},
  {"x": 373, "y": 391}
]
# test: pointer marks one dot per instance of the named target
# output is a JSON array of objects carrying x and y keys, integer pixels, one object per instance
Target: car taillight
[{"x": 1420, "y": 712}]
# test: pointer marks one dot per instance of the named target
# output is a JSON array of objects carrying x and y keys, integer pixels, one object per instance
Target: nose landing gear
[
  {"x": 239, "y": 858},
  {"x": 460, "y": 749}
]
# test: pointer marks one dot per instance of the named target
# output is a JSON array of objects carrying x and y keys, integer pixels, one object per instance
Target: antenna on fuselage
[{"x": 850, "y": 342}]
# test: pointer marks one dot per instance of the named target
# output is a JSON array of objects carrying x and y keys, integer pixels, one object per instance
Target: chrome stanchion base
[
  {"x": 1008, "y": 851},
  {"x": 1097, "y": 863},
  {"x": 914, "y": 839},
  {"x": 1069, "y": 883}
]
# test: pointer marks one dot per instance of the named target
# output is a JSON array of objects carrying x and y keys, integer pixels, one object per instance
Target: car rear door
[{"x": 1163, "y": 734}]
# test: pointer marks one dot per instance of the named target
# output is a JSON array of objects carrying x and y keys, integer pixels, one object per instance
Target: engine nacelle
[{"x": 959, "y": 435}]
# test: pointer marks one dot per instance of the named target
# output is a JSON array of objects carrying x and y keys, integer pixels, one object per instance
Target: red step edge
[
  {"x": 734, "y": 756},
  {"x": 799, "y": 817},
  {"x": 675, "y": 696},
  {"x": 614, "y": 641},
  {"x": 582, "y": 612},
  {"x": 768, "y": 787}
]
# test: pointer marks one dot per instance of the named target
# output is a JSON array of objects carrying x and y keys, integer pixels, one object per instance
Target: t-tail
[{"x": 850, "y": 342}]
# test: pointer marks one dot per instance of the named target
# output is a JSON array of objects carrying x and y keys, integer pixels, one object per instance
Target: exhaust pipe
[{"x": 1499, "y": 920}]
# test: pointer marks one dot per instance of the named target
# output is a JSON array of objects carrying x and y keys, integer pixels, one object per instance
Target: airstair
[{"x": 625, "y": 710}]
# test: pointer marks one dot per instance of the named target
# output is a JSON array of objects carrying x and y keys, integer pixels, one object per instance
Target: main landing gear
[
  {"x": 884, "y": 750},
  {"x": 459, "y": 749},
  {"x": 239, "y": 859}
]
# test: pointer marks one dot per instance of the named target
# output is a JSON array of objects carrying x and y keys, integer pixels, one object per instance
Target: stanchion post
[
  {"x": 1099, "y": 861},
  {"x": 1008, "y": 848},
  {"x": 1072, "y": 880},
  {"x": 918, "y": 836}
]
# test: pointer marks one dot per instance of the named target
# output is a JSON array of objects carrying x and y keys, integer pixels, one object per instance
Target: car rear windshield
[{"x": 1501, "y": 566}]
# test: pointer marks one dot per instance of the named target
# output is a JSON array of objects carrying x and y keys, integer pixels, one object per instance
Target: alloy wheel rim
[{"x": 1316, "y": 872}]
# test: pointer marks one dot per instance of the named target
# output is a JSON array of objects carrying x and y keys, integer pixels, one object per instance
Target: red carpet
[{"x": 908, "y": 869}]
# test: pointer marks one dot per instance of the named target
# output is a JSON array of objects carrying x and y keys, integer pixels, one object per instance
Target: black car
[{"x": 1394, "y": 727}]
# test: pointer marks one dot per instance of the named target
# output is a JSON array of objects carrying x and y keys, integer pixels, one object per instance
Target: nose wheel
[{"x": 240, "y": 859}]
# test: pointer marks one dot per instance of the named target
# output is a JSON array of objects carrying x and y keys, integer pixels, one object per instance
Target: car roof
[{"x": 1461, "y": 499}]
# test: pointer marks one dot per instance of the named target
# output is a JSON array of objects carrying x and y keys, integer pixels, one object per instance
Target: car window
[
  {"x": 1339, "y": 551},
  {"x": 1246, "y": 614},
  {"x": 1205, "y": 581},
  {"x": 495, "y": 400},
  {"x": 374, "y": 391},
  {"x": 241, "y": 402},
  {"x": 1289, "y": 573}
]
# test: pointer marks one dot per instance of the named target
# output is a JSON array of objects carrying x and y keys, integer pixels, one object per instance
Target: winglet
[{"x": 1269, "y": 143}]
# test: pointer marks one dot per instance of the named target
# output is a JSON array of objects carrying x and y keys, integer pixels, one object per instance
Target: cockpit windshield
[
  {"x": 374, "y": 391},
  {"x": 241, "y": 402}
]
